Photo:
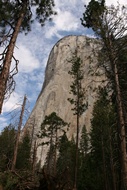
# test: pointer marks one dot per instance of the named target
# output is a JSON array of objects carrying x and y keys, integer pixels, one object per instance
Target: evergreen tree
[
  {"x": 51, "y": 125},
  {"x": 100, "y": 165},
  {"x": 24, "y": 153},
  {"x": 108, "y": 23},
  {"x": 66, "y": 161},
  {"x": 104, "y": 142},
  {"x": 77, "y": 101},
  {"x": 7, "y": 140},
  {"x": 22, "y": 177},
  {"x": 84, "y": 141},
  {"x": 50, "y": 160},
  {"x": 83, "y": 158},
  {"x": 17, "y": 16},
  {"x": 88, "y": 174}
]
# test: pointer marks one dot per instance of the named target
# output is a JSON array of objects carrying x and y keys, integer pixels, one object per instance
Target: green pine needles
[
  {"x": 78, "y": 102},
  {"x": 76, "y": 89}
]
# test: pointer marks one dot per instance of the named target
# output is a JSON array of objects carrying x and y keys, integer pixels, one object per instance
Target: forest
[{"x": 94, "y": 160}]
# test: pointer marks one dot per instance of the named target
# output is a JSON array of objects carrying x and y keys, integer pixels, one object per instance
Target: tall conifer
[
  {"x": 17, "y": 16},
  {"x": 78, "y": 101},
  {"x": 109, "y": 24}
]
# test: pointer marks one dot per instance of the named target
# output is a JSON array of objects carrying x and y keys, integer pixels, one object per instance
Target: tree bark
[
  {"x": 8, "y": 57},
  {"x": 112, "y": 163},
  {"x": 122, "y": 128},
  {"x": 18, "y": 135},
  {"x": 76, "y": 155},
  {"x": 120, "y": 109},
  {"x": 77, "y": 140},
  {"x": 104, "y": 164}
]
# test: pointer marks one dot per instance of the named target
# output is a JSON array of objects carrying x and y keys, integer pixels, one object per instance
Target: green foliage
[
  {"x": 53, "y": 121},
  {"x": 109, "y": 25},
  {"x": 8, "y": 180},
  {"x": 49, "y": 134},
  {"x": 7, "y": 138},
  {"x": 104, "y": 142},
  {"x": 84, "y": 141},
  {"x": 18, "y": 180},
  {"x": 76, "y": 89},
  {"x": 49, "y": 164},
  {"x": 78, "y": 101},
  {"x": 100, "y": 165},
  {"x": 66, "y": 160},
  {"x": 94, "y": 10},
  {"x": 44, "y": 10},
  {"x": 10, "y": 14},
  {"x": 24, "y": 153},
  {"x": 122, "y": 67},
  {"x": 89, "y": 176},
  {"x": 50, "y": 125},
  {"x": 17, "y": 16},
  {"x": 66, "y": 155},
  {"x": 85, "y": 169}
]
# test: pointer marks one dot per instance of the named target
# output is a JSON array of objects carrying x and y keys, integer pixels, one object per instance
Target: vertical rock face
[{"x": 55, "y": 91}]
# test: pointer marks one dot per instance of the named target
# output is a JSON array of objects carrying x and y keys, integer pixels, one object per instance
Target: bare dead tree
[{"x": 18, "y": 135}]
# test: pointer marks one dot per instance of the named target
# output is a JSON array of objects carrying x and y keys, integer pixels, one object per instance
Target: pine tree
[
  {"x": 108, "y": 23},
  {"x": 17, "y": 16},
  {"x": 66, "y": 161},
  {"x": 83, "y": 158},
  {"x": 100, "y": 165},
  {"x": 7, "y": 140},
  {"x": 104, "y": 142},
  {"x": 77, "y": 101},
  {"x": 24, "y": 154},
  {"x": 51, "y": 125},
  {"x": 84, "y": 141}
]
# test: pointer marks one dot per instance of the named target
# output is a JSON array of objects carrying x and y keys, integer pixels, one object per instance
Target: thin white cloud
[
  {"x": 114, "y": 2},
  {"x": 108, "y": 2},
  {"x": 27, "y": 61},
  {"x": 12, "y": 103},
  {"x": 66, "y": 4},
  {"x": 64, "y": 21},
  {"x": 51, "y": 32}
]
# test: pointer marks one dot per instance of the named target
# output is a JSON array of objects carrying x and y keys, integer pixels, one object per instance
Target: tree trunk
[
  {"x": 122, "y": 128},
  {"x": 18, "y": 135},
  {"x": 120, "y": 110},
  {"x": 76, "y": 154},
  {"x": 104, "y": 164},
  {"x": 8, "y": 57},
  {"x": 112, "y": 164},
  {"x": 77, "y": 135}
]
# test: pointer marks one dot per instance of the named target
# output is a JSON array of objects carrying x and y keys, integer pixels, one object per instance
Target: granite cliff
[{"x": 56, "y": 87}]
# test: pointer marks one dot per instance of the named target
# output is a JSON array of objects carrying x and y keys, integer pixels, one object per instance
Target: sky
[{"x": 32, "y": 51}]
